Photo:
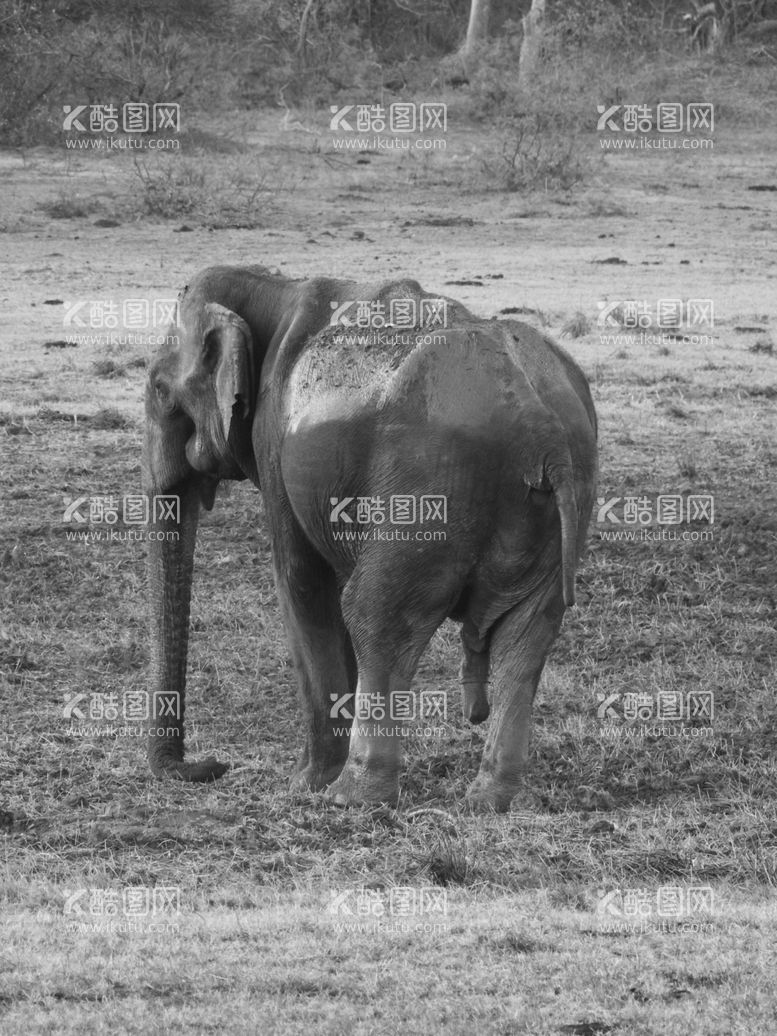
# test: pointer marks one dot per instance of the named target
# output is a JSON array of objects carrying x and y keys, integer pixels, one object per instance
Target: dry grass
[
  {"x": 255, "y": 867},
  {"x": 522, "y": 947}
]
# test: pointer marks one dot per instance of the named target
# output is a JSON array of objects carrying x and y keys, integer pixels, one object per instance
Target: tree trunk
[
  {"x": 477, "y": 30},
  {"x": 531, "y": 45},
  {"x": 303, "y": 30}
]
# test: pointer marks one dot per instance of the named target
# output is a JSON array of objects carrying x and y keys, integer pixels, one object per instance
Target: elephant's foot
[
  {"x": 315, "y": 777},
  {"x": 487, "y": 794},
  {"x": 359, "y": 786}
]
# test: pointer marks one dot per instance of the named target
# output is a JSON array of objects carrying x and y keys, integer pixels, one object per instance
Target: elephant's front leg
[
  {"x": 391, "y": 615},
  {"x": 519, "y": 645},
  {"x": 324, "y": 662}
]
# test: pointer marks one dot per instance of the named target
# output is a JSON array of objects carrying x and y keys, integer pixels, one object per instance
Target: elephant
[{"x": 262, "y": 377}]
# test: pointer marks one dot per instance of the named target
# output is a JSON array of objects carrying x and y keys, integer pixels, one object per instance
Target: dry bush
[{"x": 217, "y": 194}]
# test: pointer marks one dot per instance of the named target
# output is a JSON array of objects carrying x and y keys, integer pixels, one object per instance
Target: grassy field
[{"x": 632, "y": 887}]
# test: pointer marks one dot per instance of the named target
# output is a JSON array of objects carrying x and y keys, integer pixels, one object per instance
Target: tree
[
  {"x": 302, "y": 39},
  {"x": 531, "y": 45},
  {"x": 477, "y": 30}
]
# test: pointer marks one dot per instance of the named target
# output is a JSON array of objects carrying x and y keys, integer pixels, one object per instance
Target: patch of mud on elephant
[{"x": 348, "y": 358}]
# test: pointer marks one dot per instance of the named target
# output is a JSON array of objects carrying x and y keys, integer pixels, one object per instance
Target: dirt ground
[{"x": 258, "y": 869}]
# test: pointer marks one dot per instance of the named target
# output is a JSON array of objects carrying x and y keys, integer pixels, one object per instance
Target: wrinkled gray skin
[{"x": 492, "y": 415}]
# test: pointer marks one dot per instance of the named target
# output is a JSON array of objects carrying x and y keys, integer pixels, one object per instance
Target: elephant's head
[{"x": 200, "y": 396}]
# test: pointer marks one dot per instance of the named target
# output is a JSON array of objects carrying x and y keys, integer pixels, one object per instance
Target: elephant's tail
[{"x": 563, "y": 486}]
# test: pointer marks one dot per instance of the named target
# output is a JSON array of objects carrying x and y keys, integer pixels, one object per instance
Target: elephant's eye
[{"x": 163, "y": 395}]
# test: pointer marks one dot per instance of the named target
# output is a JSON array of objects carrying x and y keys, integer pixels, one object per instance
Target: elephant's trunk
[{"x": 170, "y": 563}]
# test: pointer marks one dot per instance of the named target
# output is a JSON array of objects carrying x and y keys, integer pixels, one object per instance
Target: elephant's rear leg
[
  {"x": 391, "y": 620},
  {"x": 520, "y": 642},
  {"x": 325, "y": 667}
]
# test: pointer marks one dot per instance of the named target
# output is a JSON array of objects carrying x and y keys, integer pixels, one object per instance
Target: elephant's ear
[{"x": 229, "y": 352}]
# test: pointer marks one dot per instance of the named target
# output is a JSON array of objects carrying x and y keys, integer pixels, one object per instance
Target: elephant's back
[{"x": 462, "y": 375}]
